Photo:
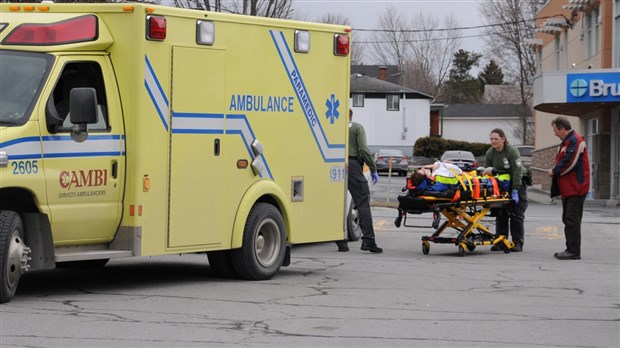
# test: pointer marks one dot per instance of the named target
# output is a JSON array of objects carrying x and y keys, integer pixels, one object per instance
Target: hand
[
  {"x": 515, "y": 196},
  {"x": 375, "y": 177}
]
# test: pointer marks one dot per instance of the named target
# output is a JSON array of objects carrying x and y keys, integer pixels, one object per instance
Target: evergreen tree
[
  {"x": 462, "y": 87},
  {"x": 492, "y": 74}
]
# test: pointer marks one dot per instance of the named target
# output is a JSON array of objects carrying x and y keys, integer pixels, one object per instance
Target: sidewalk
[{"x": 537, "y": 195}]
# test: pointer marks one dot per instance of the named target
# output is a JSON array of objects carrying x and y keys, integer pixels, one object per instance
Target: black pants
[
  {"x": 572, "y": 212},
  {"x": 358, "y": 187},
  {"x": 513, "y": 216}
]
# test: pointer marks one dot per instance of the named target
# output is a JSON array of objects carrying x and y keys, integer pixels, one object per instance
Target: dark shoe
[
  {"x": 496, "y": 247},
  {"x": 516, "y": 249},
  {"x": 372, "y": 247},
  {"x": 567, "y": 255},
  {"x": 343, "y": 246}
]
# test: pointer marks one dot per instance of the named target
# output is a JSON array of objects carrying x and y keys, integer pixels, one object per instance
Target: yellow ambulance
[{"x": 133, "y": 130}]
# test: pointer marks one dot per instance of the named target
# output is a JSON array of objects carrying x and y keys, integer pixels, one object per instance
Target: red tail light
[
  {"x": 341, "y": 45},
  {"x": 155, "y": 28}
]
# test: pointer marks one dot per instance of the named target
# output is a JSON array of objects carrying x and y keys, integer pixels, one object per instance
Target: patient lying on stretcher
[{"x": 446, "y": 180}]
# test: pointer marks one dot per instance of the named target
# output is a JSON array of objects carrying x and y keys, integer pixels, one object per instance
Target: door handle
[{"x": 114, "y": 170}]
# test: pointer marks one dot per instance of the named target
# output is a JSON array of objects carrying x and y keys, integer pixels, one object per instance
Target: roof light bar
[{"x": 79, "y": 29}]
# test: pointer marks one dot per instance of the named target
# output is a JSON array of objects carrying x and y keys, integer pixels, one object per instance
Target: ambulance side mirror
[{"x": 82, "y": 111}]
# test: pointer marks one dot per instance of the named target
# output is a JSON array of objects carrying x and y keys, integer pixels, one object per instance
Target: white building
[
  {"x": 392, "y": 115},
  {"x": 474, "y": 122}
]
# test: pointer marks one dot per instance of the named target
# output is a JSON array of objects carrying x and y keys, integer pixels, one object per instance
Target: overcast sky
[{"x": 364, "y": 14}]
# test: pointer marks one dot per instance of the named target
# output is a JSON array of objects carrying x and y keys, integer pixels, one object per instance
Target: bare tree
[
  {"x": 357, "y": 49},
  {"x": 392, "y": 43},
  {"x": 432, "y": 50},
  {"x": 261, "y": 8},
  {"x": 510, "y": 22}
]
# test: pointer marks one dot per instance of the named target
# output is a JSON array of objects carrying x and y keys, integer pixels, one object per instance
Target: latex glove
[
  {"x": 515, "y": 196},
  {"x": 375, "y": 177}
]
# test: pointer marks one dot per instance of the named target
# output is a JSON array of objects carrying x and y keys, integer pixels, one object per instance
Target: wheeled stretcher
[{"x": 463, "y": 213}]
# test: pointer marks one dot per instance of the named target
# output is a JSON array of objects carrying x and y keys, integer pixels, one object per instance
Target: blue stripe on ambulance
[
  {"x": 330, "y": 152},
  {"x": 153, "y": 88},
  {"x": 62, "y": 146},
  {"x": 195, "y": 123},
  {"x": 238, "y": 124}
]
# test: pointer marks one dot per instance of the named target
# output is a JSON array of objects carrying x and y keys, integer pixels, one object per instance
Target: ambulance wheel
[
  {"x": 221, "y": 263},
  {"x": 354, "y": 232},
  {"x": 426, "y": 247},
  {"x": 461, "y": 250},
  {"x": 14, "y": 254},
  {"x": 264, "y": 244}
]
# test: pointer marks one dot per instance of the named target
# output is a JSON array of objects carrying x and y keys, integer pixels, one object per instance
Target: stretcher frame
[{"x": 463, "y": 216}]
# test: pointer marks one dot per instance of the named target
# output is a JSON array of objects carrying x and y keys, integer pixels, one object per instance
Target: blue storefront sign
[{"x": 594, "y": 87}]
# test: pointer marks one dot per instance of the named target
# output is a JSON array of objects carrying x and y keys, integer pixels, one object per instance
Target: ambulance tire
[
  {"x": 13, "y": 254},
  {"x": 221, "y": 264},
  {"x": 354, "y": 232},
  {"x": 264, "y": 244}
]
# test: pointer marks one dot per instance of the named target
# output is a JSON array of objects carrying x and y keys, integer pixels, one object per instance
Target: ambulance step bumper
[{"x": 81, "y": 255}]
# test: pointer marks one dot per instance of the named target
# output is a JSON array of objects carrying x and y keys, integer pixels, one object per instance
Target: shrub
[{"x": 433, "y": 147}]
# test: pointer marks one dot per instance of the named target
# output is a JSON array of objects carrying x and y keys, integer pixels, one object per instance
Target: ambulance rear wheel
[
  {"x": 354, "y": 232},
  {"x": 264, "y": 244},
  {"x": 14, "y": 254}
]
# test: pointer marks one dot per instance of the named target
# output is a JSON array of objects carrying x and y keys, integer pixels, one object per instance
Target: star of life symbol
[{"x": 332, "y": 109}]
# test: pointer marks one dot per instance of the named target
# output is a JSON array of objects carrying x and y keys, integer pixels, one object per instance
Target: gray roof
[
  {"x": 365, "y": 84},
  {"x": 483, "y": 110},
  {"x": 392, "y": 72}
]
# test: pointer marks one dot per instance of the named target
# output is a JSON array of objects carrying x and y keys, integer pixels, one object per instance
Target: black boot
[
  {"x": 371, "y": 246},
  {"x": 343, "y": 245}
]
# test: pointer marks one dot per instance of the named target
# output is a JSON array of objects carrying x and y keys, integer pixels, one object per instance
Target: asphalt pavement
[{"x": 326, "y": 298}]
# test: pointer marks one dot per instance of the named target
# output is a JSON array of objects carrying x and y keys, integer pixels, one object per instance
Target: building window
[
  {"x": 358, "y": 100},
  {"x": 393, "y": 101},
  {"x": 557, "y": 52},
  {"x": 588, "y": 37},
  {"x": 597, "y": 25}
]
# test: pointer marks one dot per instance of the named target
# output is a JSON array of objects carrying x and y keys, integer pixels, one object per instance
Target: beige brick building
[{"x": 578, "y": 76}]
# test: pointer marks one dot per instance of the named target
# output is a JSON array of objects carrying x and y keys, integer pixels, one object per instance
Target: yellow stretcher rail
[{"x": 462, "y": 216}]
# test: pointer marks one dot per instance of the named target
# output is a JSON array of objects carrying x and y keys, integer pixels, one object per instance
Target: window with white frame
[
  {"x": 393, "y": 101},
  {"x": 588, "y": 37},
  {"x": 597, "y": 26},
  {"x": 358, "y": 99}
]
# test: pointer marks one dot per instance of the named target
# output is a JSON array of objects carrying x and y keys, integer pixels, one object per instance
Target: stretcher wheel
[
  {"x": 461, "y": 250},
  {"x": 505, "y": 248},
  {"x": 471, "y": 247},
  {"x": 426, "y": 247}
]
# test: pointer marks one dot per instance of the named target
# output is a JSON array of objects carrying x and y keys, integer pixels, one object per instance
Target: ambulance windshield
[{"x": 23, "y": 75}]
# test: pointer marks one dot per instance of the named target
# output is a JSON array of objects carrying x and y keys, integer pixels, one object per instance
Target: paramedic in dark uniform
[
  {"x": 358, "y": 185},
  {"x": 506, "y": 160}
]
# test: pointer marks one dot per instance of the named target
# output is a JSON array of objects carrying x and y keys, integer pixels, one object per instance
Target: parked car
[
  {"x": 400, "y": 163},
  {"x": 463, "y": 159},
  {"x": 525, "y": 151}
]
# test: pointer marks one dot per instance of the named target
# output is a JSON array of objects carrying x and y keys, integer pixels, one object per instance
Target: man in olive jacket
[{"x": 358, "y": 185}]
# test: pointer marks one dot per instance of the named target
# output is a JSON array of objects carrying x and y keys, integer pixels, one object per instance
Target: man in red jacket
[{"x": 571, "y": 172}]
